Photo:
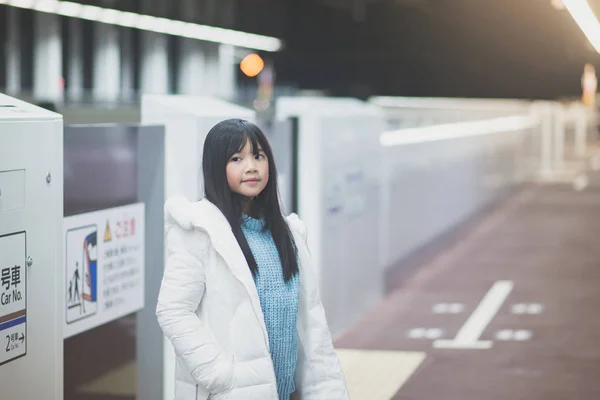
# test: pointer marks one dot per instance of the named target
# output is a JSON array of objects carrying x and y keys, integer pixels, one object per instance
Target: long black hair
[{"x": 222, "y": 142}]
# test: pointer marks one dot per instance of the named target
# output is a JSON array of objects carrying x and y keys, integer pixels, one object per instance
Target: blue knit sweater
[{"x": 279, "y": 303}]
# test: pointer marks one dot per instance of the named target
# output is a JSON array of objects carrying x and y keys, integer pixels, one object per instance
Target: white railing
[
  {"x": 436, "y": 177},
  {"x": 559, "y": 144},
  {"x": 567, "y": 138},
  {"x": 468, "y": 155}
]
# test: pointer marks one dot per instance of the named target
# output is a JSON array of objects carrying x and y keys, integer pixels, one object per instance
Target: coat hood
[{"x": 205, "y": 215}]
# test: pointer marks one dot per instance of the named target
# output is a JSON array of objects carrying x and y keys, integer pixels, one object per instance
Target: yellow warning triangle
[{"x": 107, "y": 235}]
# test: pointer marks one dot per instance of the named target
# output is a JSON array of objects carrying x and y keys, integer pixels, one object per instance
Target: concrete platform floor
[{"x": 541, "y": 253}]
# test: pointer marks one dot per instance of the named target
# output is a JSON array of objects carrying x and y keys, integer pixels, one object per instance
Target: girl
[{"x": 239, "y": 301}]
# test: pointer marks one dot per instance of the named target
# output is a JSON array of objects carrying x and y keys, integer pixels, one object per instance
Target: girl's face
[{"x": 247, "y": 173}]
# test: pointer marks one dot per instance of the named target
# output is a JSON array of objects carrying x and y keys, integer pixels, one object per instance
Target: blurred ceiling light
[
  {"x": 149, "y": 23},
  {"x": 584, "y": 16},
  {"x": 47, "y": 6},
  {"x": 252, "y": 64},
  {"x": 128, "y": 19},
  {"x": 20, "y": 3},
  {"x": 146, "y": 22},
  {"x": 109, "y": 17},
  {"x": 69, "y": 9},
  {"x": 558, "y": 4},
  {"x": 91, "y": 13}
]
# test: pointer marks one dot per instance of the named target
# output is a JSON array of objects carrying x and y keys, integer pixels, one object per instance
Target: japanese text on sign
[
  {"x": 104, "y": 266},
  {"x": 13, "y": 294}
]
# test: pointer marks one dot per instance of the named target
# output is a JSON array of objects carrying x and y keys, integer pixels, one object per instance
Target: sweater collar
[{"x": 252, "y": 224}]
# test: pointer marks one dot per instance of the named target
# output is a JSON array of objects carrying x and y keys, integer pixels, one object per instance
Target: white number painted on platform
[
  {"x": 448, "y": 308},
  {"x": 519, "y": 335},
  {"x": 425, "y": 333},
  {"x": 524, "y": 308}
]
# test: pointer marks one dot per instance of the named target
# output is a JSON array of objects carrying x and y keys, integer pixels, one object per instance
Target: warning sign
[
  {"x": 13, "y": 296},
  {"x": 107, "y": 235},
  {"x": 104, "y": 266},
  {"x": 82, "y": 272}
]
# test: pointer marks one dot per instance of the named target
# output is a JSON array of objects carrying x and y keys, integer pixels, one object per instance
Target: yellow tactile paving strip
[
  {"x": 377, "y": 375},
  {"x": 120, "y": 382},
  {"x": 370, "y": 375}
]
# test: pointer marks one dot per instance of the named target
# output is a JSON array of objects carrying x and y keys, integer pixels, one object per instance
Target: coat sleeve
[
  {"x": 319, "y": 375},
  {"x": 181, "y": 292}
]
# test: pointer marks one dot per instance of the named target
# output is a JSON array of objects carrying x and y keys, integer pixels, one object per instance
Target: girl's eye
[
  {"x": 260, "y": 156},
  {"x": 235, "y": 159}
]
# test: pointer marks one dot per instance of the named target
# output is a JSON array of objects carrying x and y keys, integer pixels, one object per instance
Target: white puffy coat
[{"x": 209, "y": 309}]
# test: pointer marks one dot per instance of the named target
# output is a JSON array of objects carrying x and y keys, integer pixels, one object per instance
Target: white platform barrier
[
  {"x": 436, "y": 177},
  {"x": 566, "y": 144},
  {"x": 562, "y": 151},
  {"x": 187, "y": 120},
  {"x": 579, "y": 129},
  {"x": 338, "y": 197}
]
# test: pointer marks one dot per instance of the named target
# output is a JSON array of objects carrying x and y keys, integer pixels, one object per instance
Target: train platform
[{"x": 508, "y": 311}]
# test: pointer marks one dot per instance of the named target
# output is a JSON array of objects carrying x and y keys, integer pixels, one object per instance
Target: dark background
[
  {"x": 455, "y": 48},
  {"x": 481, "y": 48}
]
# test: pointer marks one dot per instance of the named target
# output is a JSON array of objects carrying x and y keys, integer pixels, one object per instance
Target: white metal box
[{"x": 31, "y": 216}]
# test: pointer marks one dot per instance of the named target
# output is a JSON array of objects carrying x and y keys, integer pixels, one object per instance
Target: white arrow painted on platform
[{"x": 469, "y": 334}]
